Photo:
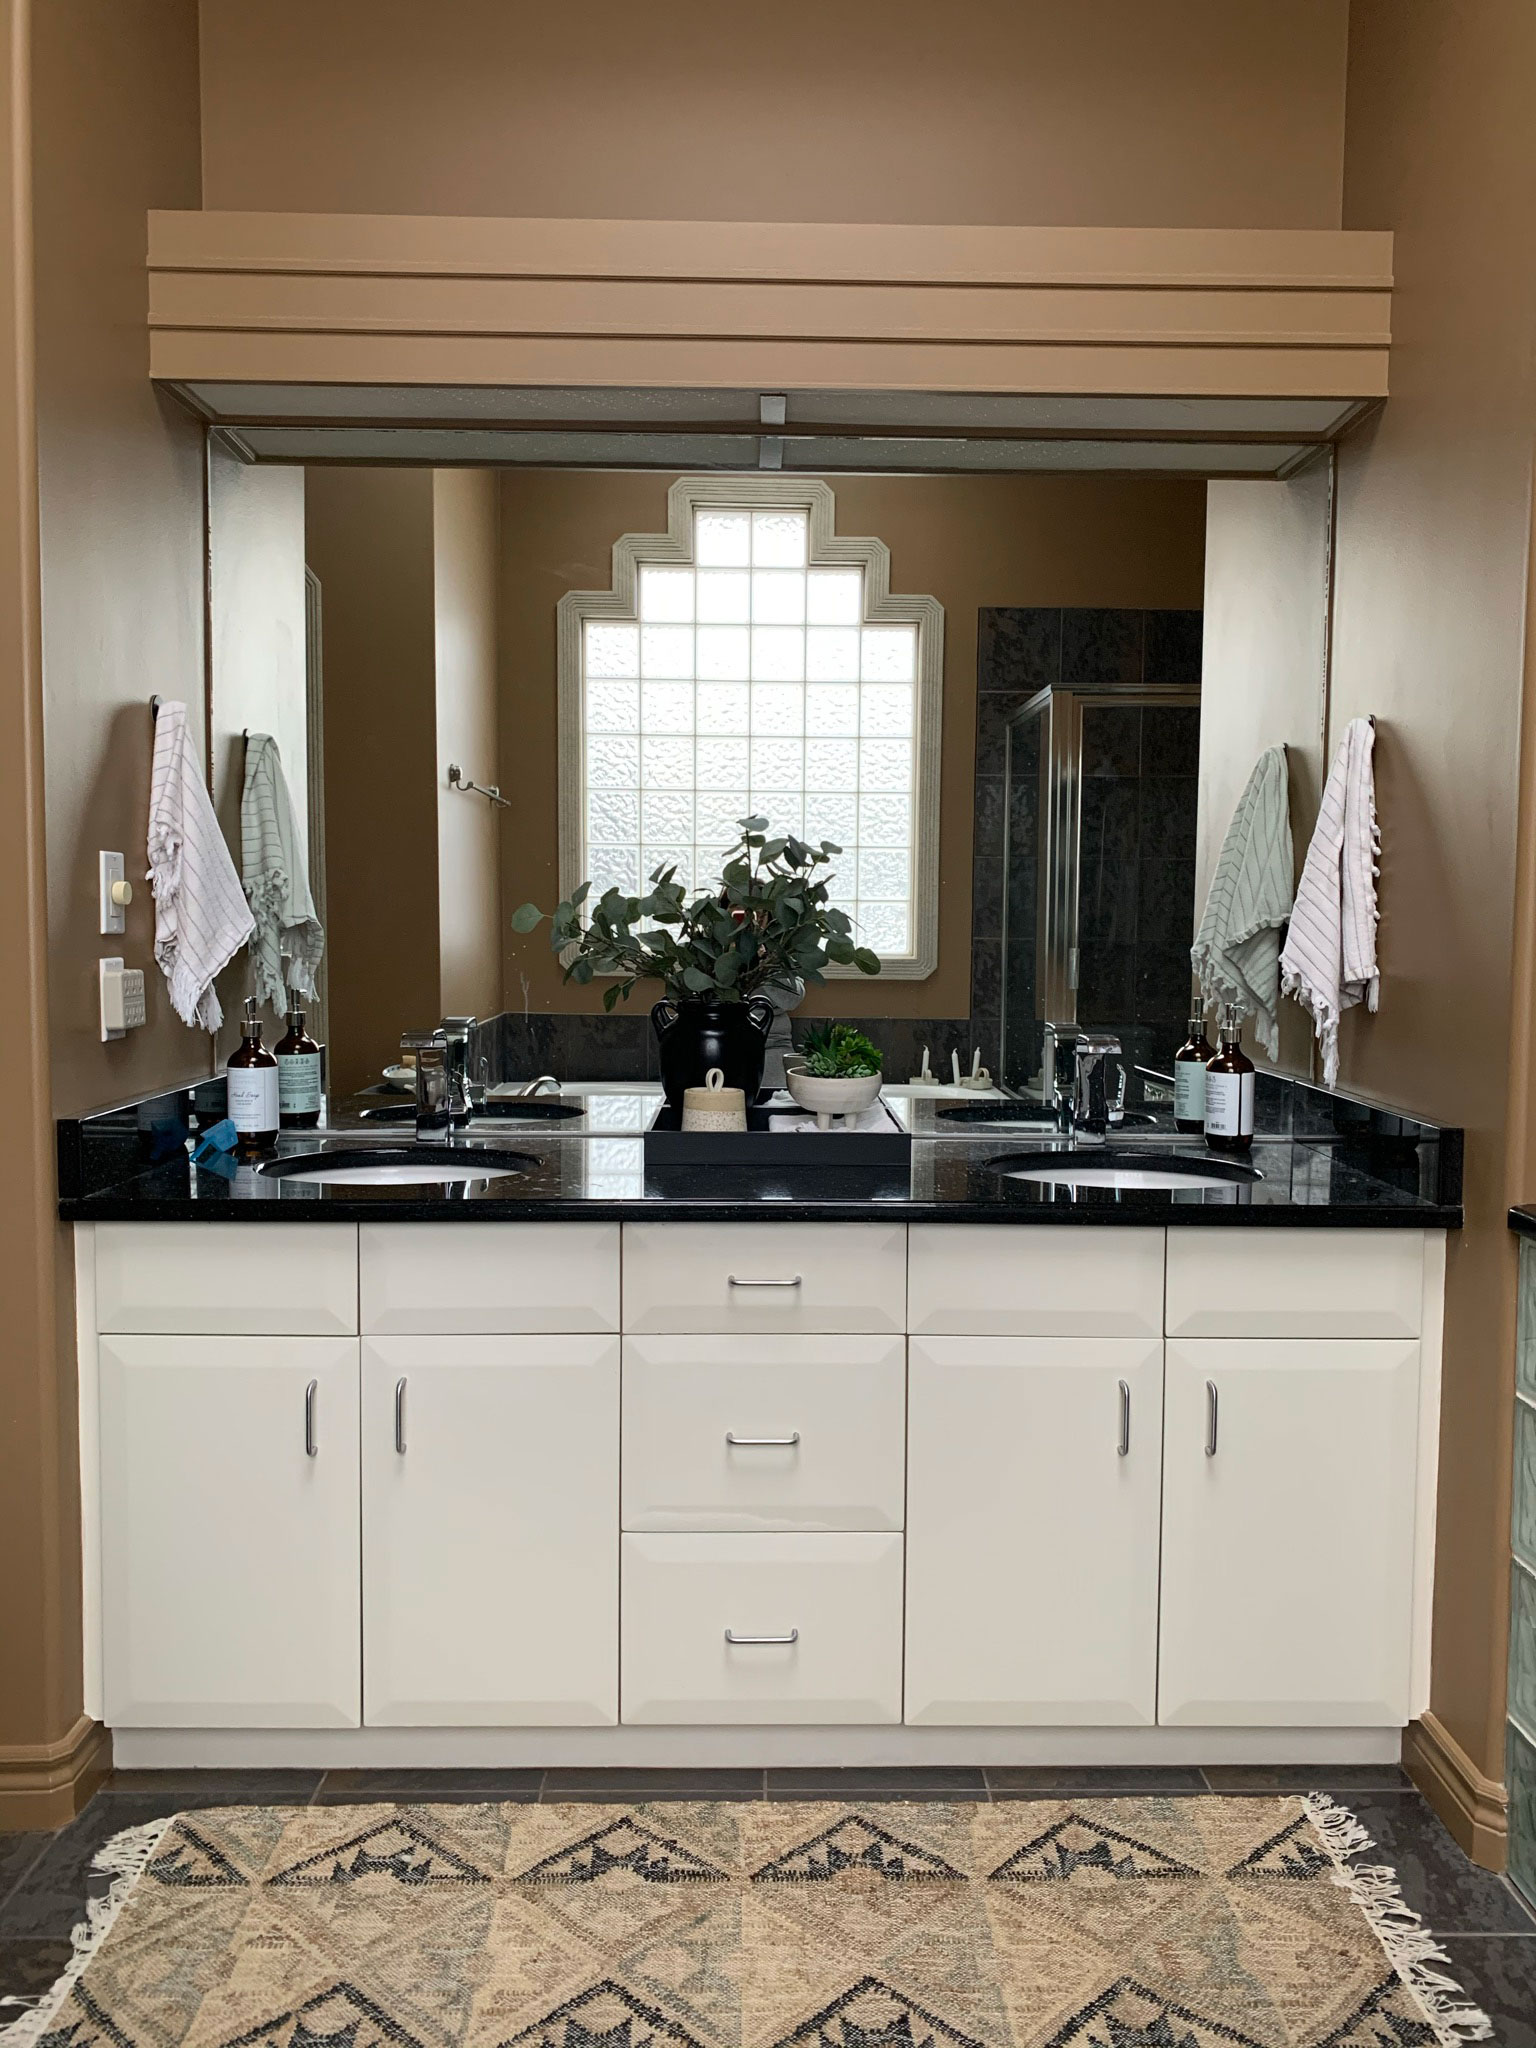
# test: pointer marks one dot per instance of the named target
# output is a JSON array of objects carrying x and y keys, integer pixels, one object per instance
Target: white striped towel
[
  {"x": 1236, "y": 953},
  {"x": 201, "y": 917},
  {"x": 1329, "y": 962},
  {"x": 289, "y": 940}
]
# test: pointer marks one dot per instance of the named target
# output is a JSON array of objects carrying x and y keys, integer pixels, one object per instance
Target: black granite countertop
[{"x": 1324, "y": 1161}]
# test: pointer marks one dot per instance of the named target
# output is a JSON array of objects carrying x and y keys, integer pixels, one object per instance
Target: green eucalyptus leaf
[{"x": 526, "y": 916}]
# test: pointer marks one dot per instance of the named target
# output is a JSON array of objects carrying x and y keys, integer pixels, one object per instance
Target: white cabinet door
[
  {"x": 229, "y": 1532},
  {"x": 490, "y": 1531},
  {"x": 1033, "y": 1481},
  {"x": 1288, "y": 1529}
]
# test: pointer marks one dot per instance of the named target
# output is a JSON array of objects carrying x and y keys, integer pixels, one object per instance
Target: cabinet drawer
[
  {"x": 706, "y": 1421},
  {"x": 1295, "y": 1283},
  {"x": 990, "y": 1280},
  {"x": 837, "y": 1597},
  {"x": 771, "y": 1278},
  {"x": 227, "y": 1279},
  {"x": 490, "y": 1279}
]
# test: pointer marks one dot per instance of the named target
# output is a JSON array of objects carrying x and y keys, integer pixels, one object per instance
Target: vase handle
[
  {"x": 762, "y": 1012},
  {"x": 663, "y": 1016}
]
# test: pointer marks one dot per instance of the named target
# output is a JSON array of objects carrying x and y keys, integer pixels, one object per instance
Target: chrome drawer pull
[
  {"x": 777, "y": 1441},
  {"x": 732, "y": 1637},
  {"x": 1211, "y": 1413},
  {"x": 732, "y": 1281},
  {"x": 400, "y": 1417},
  {"x": 1124, "y": 1445},
  {"x": 311, "y": 1441}
]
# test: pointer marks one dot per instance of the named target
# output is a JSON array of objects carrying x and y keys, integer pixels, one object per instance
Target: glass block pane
[
  {"x": 724, "y": 654},
  {"x": 885, "y": 820},
  {"x": 783, "y": 808},
  {"x": 721, "y": 764},
  {"x": 779, "y": 539},
  {"x": 886, "y": 710},
  {"x": 615, "y": 867},
  {"x": 778, "y": 654},
  {"x": 612, "y": 763},
  {"x": 832, "y": 764},
  {"x": 831, "y": 814},
  {"x": 1525, "y": 1339},
  {"x": 666, "y": 817},
  {"x": 720, "y": 812},
  {"x": 723, "y": 707},
  {"x": 613, "y": 706},
  {"x": 834, "y": 597},
  {"x": 1521, "y": 1773},
  {"x": 666, "y": 707},
  {"x": 678, "y": 857},
  {"x": 612, "y": 650},
  {"x": 1522, "y": 1649},
  {"x": 616, "y": 820},
  {"x": 777, "y": 764},
  {"x": 666, "y": 651},
  {"x": 882, "y": 872},
  {"x": 832, "y": 709},
  {"x": 832, "y": 654},
  {"x": 778, "y": 597},
  {"x": 885, "y": 764},
  {"x": 778, "y": 708},
  {"x": 722, "y": 540},
  {"x": 889, "y": 654},
  {"x": 666, "y": 595},
  {"x": 725, "y": 597},
  {"x": 666, "y": 764},
  {"x": 883, "y": 926},
  {"x": 1524, "y": 1517}
]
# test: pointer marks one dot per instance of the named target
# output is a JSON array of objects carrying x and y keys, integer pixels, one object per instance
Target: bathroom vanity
[{"x": 579, "y": 1476}]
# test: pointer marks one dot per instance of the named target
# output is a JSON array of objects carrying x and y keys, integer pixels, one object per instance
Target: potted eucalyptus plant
[{"x": 768, "y": 925}]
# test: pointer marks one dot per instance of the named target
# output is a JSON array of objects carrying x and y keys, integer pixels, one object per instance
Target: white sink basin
[
  {"x": 398, "y": 1176},
  {"x": 1119, "y": 1169},
  {"x": 435, "y": 1166}
]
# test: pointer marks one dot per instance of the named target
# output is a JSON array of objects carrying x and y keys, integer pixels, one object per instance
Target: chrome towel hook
[{"x": 457, "y": 779}]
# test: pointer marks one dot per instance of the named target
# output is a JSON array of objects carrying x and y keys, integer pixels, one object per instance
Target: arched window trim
[{"x": 882, "y": 606}]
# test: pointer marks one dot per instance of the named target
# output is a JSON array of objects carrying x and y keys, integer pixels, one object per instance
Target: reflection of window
[{"x": 751, "y": 661}]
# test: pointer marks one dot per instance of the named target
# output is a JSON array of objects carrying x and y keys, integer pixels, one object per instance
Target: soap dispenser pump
[
  {"x": 298, "y": 1072},
  {"x": 251, "y": 1077},
  {"x": 1229, "y": 1085},
  {"x": 1189, "y": 1065}
]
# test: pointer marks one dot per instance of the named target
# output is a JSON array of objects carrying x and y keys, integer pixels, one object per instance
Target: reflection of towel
[
  {"x": 1329, "y": 962},
  {"x": 201, "y": 918},
  {"x": 1236, "y": 953},
  {"x": 276, "y": 884}
]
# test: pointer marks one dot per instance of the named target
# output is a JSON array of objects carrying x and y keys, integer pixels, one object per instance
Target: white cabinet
[
  {"x": 488, "y": 1277},
  {"x": 1288, "y": 1533},
  {"x": 1295, "y": 1283},
  {"x": 769, "y": 1279},
  {"x": 1050, "y": 1280},
  {"x": 760, "y": 1433},
  {"x": 490, "y": 1531},
  {"x": 229, "y": 1531},
  {"x": 1032, "y": 1530},
  {"x": 231, "y": 1279}
]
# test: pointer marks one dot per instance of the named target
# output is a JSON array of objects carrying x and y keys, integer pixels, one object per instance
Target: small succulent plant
[{"x": 839, "y": 1052}]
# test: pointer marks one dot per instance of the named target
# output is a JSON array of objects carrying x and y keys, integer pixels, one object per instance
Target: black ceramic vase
[{"x": 693, "y": 1037}]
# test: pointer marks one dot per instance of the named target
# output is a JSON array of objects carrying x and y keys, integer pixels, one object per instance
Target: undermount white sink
[
  {"x": 435, "y": 1167},
  {"x": 1091, "y": 1170}
]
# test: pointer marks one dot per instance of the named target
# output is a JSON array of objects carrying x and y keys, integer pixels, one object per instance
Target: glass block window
[{"x": 751, "y": 676}]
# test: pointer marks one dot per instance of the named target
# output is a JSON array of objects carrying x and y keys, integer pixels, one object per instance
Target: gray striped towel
[
  {"x": 1329, "y": 962},
  {"x": 289, "y": 940},
  {"x": 201, "y": 918},
  {"x": 1236, "y": 953}
]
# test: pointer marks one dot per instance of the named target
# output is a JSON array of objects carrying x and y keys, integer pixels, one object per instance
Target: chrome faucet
[
  {"x": 1091, "y": 1106},
  {"x": 455, "y": 1033},
  {"x": 434, "y": 1118},
  {"x": 533, "y": 1087}
]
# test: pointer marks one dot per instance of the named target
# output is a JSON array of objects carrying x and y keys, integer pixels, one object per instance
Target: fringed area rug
[{"x": 1174, "y": 1923}]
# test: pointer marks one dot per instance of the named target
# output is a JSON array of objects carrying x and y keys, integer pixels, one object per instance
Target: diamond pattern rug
[{"x": 1119, "y": 1923}]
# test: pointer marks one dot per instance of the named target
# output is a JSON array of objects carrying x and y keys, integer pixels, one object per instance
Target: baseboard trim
[
  {"x": 1473, "y": 1807},
  {"x": 45, "y": 1784}
]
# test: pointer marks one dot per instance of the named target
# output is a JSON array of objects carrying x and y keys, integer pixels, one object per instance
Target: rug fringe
[
  {"x": 124, "y": 1859},
  {"x": 1411, "y": 1950}
]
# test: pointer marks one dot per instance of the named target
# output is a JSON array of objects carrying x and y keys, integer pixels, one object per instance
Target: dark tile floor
[{"x": 1488, "y": 1931}]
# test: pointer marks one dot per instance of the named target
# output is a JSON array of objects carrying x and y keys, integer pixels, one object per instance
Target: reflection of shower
[{"x": 1099, "y": 856}]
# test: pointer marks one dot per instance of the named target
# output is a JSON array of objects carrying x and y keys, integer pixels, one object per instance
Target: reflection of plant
[
  {"x": 768, "y": 925},
  {"x": 837, "y": 1052}
]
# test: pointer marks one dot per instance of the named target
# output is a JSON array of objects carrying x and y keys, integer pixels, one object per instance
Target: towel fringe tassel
[{"x": 1410, "y": 1948}]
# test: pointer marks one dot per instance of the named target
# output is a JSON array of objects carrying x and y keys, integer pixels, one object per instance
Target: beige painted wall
[
  {"x": 1430, "y": 623},
  {"x": 1127, "y": 113},
  {"x": 465, "y": 574},
  {"x": 968, "y": 541},
  {"x": 1266, "y": 637}
]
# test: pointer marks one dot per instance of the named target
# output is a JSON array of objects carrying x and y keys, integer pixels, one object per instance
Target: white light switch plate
[
  {"x": 114, "y": 919},
  {"x": 122, "y": 999}
]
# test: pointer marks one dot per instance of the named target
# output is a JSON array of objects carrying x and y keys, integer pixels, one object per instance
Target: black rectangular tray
[{"x": 668, "y": 1144}]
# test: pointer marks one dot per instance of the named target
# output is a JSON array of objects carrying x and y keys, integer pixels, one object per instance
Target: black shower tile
[
  {"x": 1168, "y": 814},
  {"x": 987, "y": 1038},
  {"x": 1163, "y": 987},
  {"x": 1173, "y": 645},
  {"x": 1100, "y": 649},
  {"x": 988, "y": 815},
  {"x": 1165, "y": 903},
  {"x": 992, "y": 716},
  {"x": 986, "y": 978},
  {"x": 1105, "y": 982},
  {"x": 1017, "y": 648},
  {"x": 1079, "y": 1781},
  {"x": 1170, "y": 740},
  {"x": 1454, "y": 1895},
  {"x": 986, "y": 896},
  {"x": 1107, "y": 863},
  {"x": 1112, "y": 739},
  {"x": 423, "y": 1788},
  {"x": 1497, "y": 1973},
  {"x": 29, "y": 1968}
]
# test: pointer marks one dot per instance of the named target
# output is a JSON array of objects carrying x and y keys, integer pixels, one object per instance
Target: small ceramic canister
[{"x": 714, "y": 1107}]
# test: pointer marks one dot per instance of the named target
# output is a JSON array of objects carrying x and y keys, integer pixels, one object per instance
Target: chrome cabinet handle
[
  {"x": 400, "y": 1417},
  {"x": 1211, "y": 1412},
  {"x": 732, "y": 1281},
  {"x": 311, "y": 1441},
  {"x": 741, "y": 1441},
  {"x": 1123, "y": 1447},
  {"x": 731, "y": 1637}
]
